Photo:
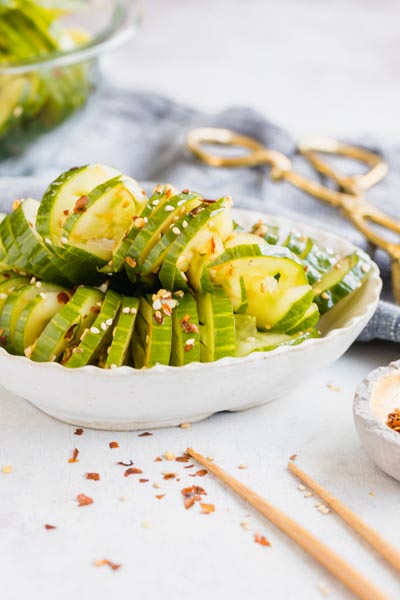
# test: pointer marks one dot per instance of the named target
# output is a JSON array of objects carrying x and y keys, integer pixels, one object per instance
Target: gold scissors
[{"x": 349, "y": 195}]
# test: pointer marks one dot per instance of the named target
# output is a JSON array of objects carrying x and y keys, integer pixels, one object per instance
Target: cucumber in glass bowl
[{"x": 49, "y": 61}]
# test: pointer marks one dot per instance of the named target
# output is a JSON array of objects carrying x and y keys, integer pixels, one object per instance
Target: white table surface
[{"x": 314, "y": 67}]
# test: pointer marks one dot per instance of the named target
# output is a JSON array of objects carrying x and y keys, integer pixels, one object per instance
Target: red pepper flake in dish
[
  {"x": 105, "y": 562},
  {"x": 84, "y": 500},
  {"x": 62, "y": 298},
  {"x": 206, "y": 509},
  {"x": 192, "y": 494},
  {"x": 124, "y": 464},
  {"x": 145, "y": 434},
  {"x": 78, "y": 431},
  {"x": 132, "y": 471},
  {"x": 70, "y": 332},
  {"x": 113, "y": 445},
  {"x": 169, "y": 476},
  {"x": 93, "y": 476},
  {"x": 187, "y": 326},
  {"x": 393, "y": 420},
  {"x": 80, "y": 205},
  {"x": 200, "y": 473},
  {"x": 261, "y": 539},
  {"x": 160, "y": 496},
  {"x": 143, "y": 480},
  {"x": 47, "y": 526},
  {"x": 95, "y": 310},
  {"x": 74, "y": 458}
]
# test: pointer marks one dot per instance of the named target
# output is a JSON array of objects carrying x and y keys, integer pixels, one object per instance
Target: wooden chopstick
[
  {"x": 391, "y": 554},
  {"x": 352, "y": 579}
]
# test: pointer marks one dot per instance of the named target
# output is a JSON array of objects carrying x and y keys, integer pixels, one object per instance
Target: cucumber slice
[
  {"x": 118, "y": 351},
  {"x": 317, "y": 261},
  {"x": 347, "y": 275},
  {"x": 67, "y": 326},
  {"x": 216, "y": 325},
  {"x": 16, "y": 303},
  {"x": 270, "y": 233},
  {"x": 62, "y": 195},
  {"x": 35, "y": 317},
  {"x": 248, "y": 339},
  {"x": 161, "y": 221},
  {"x": 185, "y": 346},
  {"x": 308, "y": 321},
  {"x": 92, "y": 340},
  {"x": 242, "y": 238},
  {"x": 8, "y": 285},
  {"x": 151, "y": 341},
  {"x": 277, "y": 291},
  {"x": 105, "y": 216},
  {"x": 12, "y": 254},
  {"x": 207, "y": 228},
  {"x": 14, "y": 92}
]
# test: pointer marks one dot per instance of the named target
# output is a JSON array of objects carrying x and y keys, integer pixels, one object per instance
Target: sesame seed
[
  {"x": 64, "y": 240},
  {"x": 325, "y": 295},
  {"x": 43, "y": 295},
  {"x": 155, "y": 202},
  {"x": 113, "y": 366},
  {"x": 133, "y": 310},
  {"x": 185, "y": 425},
  {"x": 169, "y": 455},
  {"x": 185, "y": 224},
  {"x": 301, "y": 488},
  {"x": 94, "y": 330},
  {"x": 157, "y": 304},
  {"x": 250, "y": 339},
  {"x": 176, "y": 230},
  {"x": 126, "y": 310},
  {"x": 190, "y": 342},
  {"x": 308, "y": 495},
  {"x": 104, "y": 326},
  {"x": 242, "y": 467},
  {"x": 33, "y": 280},
  {"x": 365, "y": 268},
  {"x": 48, "y": 241},
  {"x": 169, "y": 208},
  {"x": 38, "y": 284},
  {"x": 109, "y": 322},
  {"x": 7, "y": 469},
  {"x": 3, "y": 296}
]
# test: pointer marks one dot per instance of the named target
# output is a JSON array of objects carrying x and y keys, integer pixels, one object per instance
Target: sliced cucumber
[
  {"x": 63, "y": 194},
  {"x": 151, "y": 341},
  {"x": 105, "y": 216},
  {"x": 242, "y": 238},
  {"x": 8, "y": 285},
  {"x": 16, "y": 303},
  {"x": 344, "y": 278},
  {"x": 203, "y": 236},
  {"x": 308, "y": 321},
  {"x": 35, "y": 317},
  {"x": 270, "y": 233},
  {"x": 98, "y": 335},
  {"x": 67, "y": 326},
  {"x": 118, "y": 351},
  {"x": 185, "y": 346},
  {"x": 248, "y": 339},
  {"x": 216, "y": 325},
  {"x": 12, "y": 255},
  {"x": 277, "y": 291}
]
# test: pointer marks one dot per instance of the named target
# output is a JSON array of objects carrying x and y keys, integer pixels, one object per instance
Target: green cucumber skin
[
  {"x": 292, "y": 316},
  {"x": 8, "y": 286},
  {"x": 308, "y": 321},
  {"x": 358, "y": 270},
  {"x": 52, "y": 342},
  {"x": 89, "y": 348},
  {"x": 151, "y": 341},
  {"x": 216, "y": 325},
  {"x": 269, "y": 233},
  {"x": 170, "y": 276},
  {"x": 120, "y": 346},
  {"x": 184, "y": 330},
  {"x": 268, "y": 344},
  {"x": 13, "y": 255}
]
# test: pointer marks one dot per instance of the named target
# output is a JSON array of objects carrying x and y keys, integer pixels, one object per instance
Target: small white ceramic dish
[
  {"x": 127, "y": 399},
  {"x": 376, "y": 397}
]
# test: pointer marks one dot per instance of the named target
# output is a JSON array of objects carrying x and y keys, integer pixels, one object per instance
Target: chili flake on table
[
  {"x": 114, "y": 445},
  {"x": 93, "y": 476},
  {"x": 104, "y": 561},
  {"x": 132, "y": 471},
  {"x": 261, "y": 539},
  {"x": 74, "y": 458},
  {"x": 84, "y": 500},
  {"x": 192, "y": 494}
]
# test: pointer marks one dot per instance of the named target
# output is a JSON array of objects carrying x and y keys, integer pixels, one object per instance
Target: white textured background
[{"x": 315, "y": 67}]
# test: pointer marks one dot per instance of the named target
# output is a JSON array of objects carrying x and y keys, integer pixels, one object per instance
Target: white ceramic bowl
[
  {"x": 376, "y": 397},
  {"x": 128, "y": 399}
]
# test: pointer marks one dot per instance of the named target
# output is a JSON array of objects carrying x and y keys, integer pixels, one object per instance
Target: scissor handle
[
  {"x": 310, "y": 147},
  {"x": 256, "y": 154}
]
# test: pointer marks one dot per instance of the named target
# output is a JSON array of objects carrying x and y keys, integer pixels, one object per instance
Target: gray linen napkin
[{"x": 143, "y": 135}]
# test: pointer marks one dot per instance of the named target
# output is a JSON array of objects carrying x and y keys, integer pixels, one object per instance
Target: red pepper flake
[
  {"x": 293, "y": 457},
  {"x": 74, "y": 458},
  {"x": 3, "y": 340},
  {"x": 84, "y": 500},
  {"x": 66, "y": 212},
  {"x": 113, "y": 445},
  {"x": 206, "y": 509},
  {"x": 104, "y": 561},
  {"x": 124, "y": 464},
  {"x": 93, "y": 476},
  {"x": 70, "y": 332},
  {"x": 143, "y": 480},
  {"x": 158, "y": 459},
  {"x": 132, "y": 471},
  {"x": 189, "y": 467},
  {"x": 130, "y": 261},
  {"x": 187, "y": 326},
  {"x": 261, "y": 539},
  {"x": 95, "y": 310},
  {"x": 169, "y": 476},
  {"x": 80, "y": 205},
  {"x": 145, "y": 434},
  {"x": 160, "y": 496},
  {"x": 183, "y": 459},
  {"x": 192, "y": 494},
  {"x": 200, "y": 473},
  {"x": 47, "y": 526},
  {"x": 62, "y": 298},
  {"x": 78, "y": 431},
  {"x": 212, "y": 245}
]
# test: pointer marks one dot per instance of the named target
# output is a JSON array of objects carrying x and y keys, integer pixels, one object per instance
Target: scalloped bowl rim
[{"x": 126, "y": 371}]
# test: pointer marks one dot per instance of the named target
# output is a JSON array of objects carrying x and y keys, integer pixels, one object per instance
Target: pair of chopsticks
[{"x": 350, "y": 577}]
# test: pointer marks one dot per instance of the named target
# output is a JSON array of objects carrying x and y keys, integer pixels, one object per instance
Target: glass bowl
[{"x": 39, "y": 94}]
